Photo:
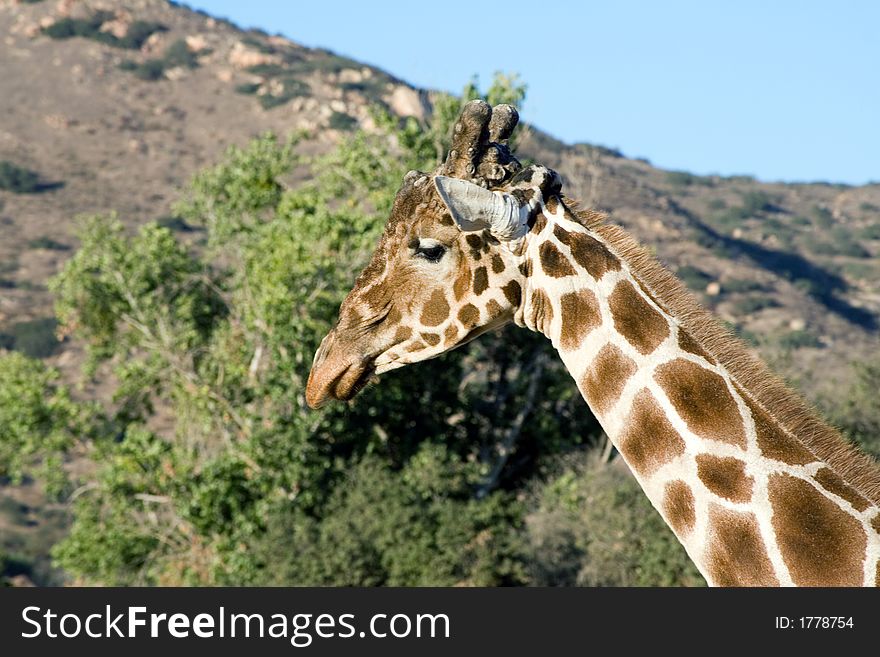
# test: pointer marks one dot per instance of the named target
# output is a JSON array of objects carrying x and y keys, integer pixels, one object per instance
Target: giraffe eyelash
[{"x": 428, "y": 249}]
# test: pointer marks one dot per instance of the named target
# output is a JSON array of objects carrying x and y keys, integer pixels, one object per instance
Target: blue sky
[{"x": 781, "y": 90}]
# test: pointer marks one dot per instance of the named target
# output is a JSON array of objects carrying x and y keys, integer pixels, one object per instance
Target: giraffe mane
[{"x": 764, "y": 387}]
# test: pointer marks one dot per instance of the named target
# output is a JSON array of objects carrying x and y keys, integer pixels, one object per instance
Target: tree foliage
[
  {"x": 208, "y": 466},
  {"x": 856, "y": 409},
  {"x": 39, "y": 422},
  {"x": 593, "y": 526}
]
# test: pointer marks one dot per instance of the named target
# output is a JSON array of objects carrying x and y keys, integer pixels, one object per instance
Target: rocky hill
[{"x": 112, "y": 106}]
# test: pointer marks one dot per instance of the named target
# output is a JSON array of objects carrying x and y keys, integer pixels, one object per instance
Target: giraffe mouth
[
  {"x": 353, "y": 380},
  {"x": 342, "y": 385}
]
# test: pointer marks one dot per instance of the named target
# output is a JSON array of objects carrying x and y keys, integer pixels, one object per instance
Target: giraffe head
[{"x": 447, "y": 267}]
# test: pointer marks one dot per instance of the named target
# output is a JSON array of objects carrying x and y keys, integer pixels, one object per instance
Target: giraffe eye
[{"x": 430, "y": 250}]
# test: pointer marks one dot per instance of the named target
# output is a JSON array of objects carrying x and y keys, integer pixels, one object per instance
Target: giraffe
[{"x": 756, "y": 487}]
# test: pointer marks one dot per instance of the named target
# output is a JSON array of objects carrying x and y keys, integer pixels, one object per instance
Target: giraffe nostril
[{"x": 321, "y": 353}]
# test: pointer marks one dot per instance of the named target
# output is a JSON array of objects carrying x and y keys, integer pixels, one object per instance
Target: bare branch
[{"x": 534, "y": 372}]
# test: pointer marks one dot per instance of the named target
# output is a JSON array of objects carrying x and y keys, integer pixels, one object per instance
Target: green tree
[
  {"x": 593, "y": 526},
  {"x": 246, "y": 485},
  {"x": 39, "y": 422}
]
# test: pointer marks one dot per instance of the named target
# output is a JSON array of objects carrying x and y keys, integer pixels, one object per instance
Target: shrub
[
  {"x": 257, "y": 43},
  {"x": 756, "y": 201},
  {"x": 150, "y": 70},
  {"x": 342, "y": 121},
  {"x": 752, "y": 304},
  {"x": 860, "y": 270},
  {"x": 839, "y": 244},
  {"x": 248, "y": 88},
  {"x": 593, "y": 526},
  {"x": 47, "y": 243},
  {"x": 373, "y": 88},
  {"x": 395, "y": 528},
  {"x": 798, "y": 340},
  {"x": 179, "y": 54},
  {"x": 870, "y": 232},
  {"x": 290, "y": 88},
  {"x": 90, "y": 28},
  {"x": 685, "y": 179},
  {"x": 268, "y": 70},
  {"x": 856, "y": 408},
  {"x": 39, "y": 421},
  {"x": 35, "y": 337},
  {"x": 138, "y": 33},
  {"x": 822, "y": 216},
  {"x": 696, "y": 279},
  {"x": 176, "y": 54},
  {"x": 14, "y": 178},
  {"x": 732, "y": 217}
]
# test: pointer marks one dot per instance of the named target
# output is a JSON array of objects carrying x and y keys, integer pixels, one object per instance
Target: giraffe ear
[{"x": 475, "y": 208}]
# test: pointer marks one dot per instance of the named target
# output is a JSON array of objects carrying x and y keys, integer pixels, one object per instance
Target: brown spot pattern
[
  {"x": 394, "y": 316},
  {"x": 588, "y": 252},
  {"x": 725, "y": 476},
  {"x": 513, "y": 293},
  {"x": 497, "y": 263},
  {"x": 474, "y": 241},
  {"x": 820, "y": 544},
  {"x": 736, "y": 555},
  {"x": 648, "y": 439},
  {"x": 634, "y": 318},
  {"x": 833, "y": 483},
  {"x": 688, "y": 344},
  {"x": 553, "y": 262},
  {"x": 542, "y": 311},
  {"x": 702, "y": 400},
  {"x": 469, "y": 315},
  {"x": 605, "y": 378},
  {"x": 773, "y": 442},
  {"x": 493, "y": 309},
  {"x": 450, "y": 334},
  {"x": 462, "y": 283},
  {"x": 431, "y": 338},
  {"x": 580, "y": 315},
  {"x": 678, "y": 507},
  {"x": 481, "y": 280},
  {"x": 402, "y": 333},
  {"x": 435, "y": 310},
  {"x": 875, "y": 523}
]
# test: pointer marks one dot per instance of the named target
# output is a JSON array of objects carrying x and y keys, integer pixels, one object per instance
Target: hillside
[{"x": 114, "y": 105}]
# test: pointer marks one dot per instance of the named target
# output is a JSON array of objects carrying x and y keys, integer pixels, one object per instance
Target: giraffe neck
[{"x": 751, "y": 504}]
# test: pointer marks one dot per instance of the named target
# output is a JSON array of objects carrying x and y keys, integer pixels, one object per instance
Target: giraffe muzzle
[{"x": 336, "y": 378}]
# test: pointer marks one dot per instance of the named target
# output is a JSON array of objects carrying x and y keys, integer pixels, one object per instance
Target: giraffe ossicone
[{"x": 758, "y": 490}]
